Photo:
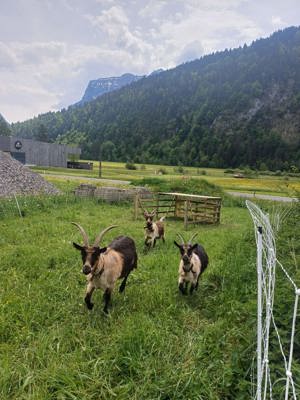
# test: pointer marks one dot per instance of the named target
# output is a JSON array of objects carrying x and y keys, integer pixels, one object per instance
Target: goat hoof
[{"x": 90, "y": 306}]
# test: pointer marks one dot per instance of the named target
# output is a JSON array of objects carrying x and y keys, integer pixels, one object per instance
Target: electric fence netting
[{"x": 267, "y": 263}]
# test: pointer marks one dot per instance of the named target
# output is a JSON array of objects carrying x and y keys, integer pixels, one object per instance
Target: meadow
[
  {"x": 156, "y": 343},
  {"x": 282, "y": 184}
]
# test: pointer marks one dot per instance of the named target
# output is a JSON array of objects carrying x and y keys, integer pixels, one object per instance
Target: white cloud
[
  {"x": 191, "y": 51},
  {"x": 277, "y": 21},
  {"x": 8, "y": 58}
]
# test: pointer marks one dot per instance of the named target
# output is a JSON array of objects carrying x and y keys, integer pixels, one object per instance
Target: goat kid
[
  {"x": 194, "y": 261},
  {"x": 153, "y": 230},
  {"x": 104, "y": 266}
]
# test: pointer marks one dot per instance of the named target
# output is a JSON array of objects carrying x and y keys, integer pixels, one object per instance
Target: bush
[
  {"x": 180, "y": 184},
  {"x": 179, "y": 169},
  {"x": 143, "y": 167},
  {"x": 162, "y": 171},
  {"x": 130, "y": 165}
]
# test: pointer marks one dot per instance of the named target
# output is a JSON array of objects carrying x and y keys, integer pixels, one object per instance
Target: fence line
[{"x": 266, "y": 279}]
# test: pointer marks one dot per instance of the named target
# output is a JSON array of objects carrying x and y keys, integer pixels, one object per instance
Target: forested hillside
[
  {"x": 4, "y": 127},
  {"x": 232, "y": 108}
]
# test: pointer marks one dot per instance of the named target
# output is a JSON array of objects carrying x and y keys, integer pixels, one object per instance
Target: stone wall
[{"x": 109, "y": 194}]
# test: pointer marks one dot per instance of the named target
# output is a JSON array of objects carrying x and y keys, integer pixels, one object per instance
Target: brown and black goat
[
  {"x": 194, "y": 261},
  {"x": 104, "y": 266},
  {"x": 153, "y": 230}
]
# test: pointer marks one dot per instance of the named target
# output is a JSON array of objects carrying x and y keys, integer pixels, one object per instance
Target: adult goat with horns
[
  {"x": 193, "y": 262},
  {"x": 104, "y": 266}
]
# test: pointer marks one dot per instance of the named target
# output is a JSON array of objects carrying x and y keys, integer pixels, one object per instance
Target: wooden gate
[{"x": 193, "y": 209}]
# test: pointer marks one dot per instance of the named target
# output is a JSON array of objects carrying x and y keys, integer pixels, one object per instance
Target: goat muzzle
[
  {"x": 185, "y": 259},
  {"x": 86, "y": 269}
]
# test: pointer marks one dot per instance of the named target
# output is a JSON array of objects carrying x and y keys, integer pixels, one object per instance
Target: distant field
[{"x": 279, "y": 185}]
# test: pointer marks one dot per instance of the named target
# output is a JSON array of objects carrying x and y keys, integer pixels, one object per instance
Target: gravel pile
[{"x": 15, "y": 178}]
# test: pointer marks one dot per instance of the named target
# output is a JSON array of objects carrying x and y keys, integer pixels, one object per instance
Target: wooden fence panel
[{"x": 192, "y": 209}]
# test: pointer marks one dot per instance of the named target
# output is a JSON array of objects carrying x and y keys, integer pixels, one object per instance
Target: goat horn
[
  {"x": 84, "y": 235},
  {"x": 182, "y": 240},
  {"x": 145, "y": 211},
  {"x": 194, "y": 235},
  {"x": 101, "y": 234}
]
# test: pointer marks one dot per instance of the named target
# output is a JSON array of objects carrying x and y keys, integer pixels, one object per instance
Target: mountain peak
[{"x": 98, "y": 87}]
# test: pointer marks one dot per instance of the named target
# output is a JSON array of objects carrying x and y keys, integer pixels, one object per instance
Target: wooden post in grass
[
  {"x": 100, "y": 161},
  {"x": 185, "y": 215},
  {"x": 136, "y": 206}
]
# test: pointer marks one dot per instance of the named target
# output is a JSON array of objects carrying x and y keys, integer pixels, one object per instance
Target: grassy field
[
  {"x": 156, "y": 343},
  {"x": 276, "y": 185}
]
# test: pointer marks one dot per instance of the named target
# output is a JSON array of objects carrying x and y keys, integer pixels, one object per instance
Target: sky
[{"x": 51, "y": 49}]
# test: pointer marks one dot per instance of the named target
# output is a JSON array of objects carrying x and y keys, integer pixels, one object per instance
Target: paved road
[
  {"x": 263, "y": 196},
  {"x": 116, "y": 181}
]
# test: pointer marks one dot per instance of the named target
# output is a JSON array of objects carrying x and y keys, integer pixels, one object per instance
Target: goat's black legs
[
  {"x": 106, "y": 298},
  {"x": 193, "y": 286},
  {"x": 123, "y": 284},
  {"x": 89, "y": 291},
  {"x": 183, "y": 287}
]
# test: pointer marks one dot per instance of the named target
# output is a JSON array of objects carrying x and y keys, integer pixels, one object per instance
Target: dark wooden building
[{"x": 33, "y": 152}]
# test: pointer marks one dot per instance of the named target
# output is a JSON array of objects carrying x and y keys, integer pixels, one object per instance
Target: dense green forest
[
  {"x": 4, "y": 127},
  {"x": 228, "y": 109}
]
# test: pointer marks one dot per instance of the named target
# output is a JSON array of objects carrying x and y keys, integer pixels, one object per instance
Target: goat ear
[
  {"x": 77, "y": 246},
  {"x": 103, "y": 250},
  {"x": 194, "y": 246}
]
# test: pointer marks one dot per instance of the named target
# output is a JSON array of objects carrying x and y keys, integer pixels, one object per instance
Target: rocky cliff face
[{"x": 100, "y": 86}]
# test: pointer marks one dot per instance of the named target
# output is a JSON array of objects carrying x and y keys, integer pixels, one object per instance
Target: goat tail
[{"x": 162, "y": 219}]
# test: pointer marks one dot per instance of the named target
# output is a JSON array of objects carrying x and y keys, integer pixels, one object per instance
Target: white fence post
[
  {"x": 289, "y": 369},
  {"x": 259, "y": 311}
]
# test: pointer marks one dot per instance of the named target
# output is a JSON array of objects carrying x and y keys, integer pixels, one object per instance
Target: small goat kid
[
  {"x": 104, "y": 266},
  {"x": 194, "y": 261},
  {"x": 153, "y": 230}
]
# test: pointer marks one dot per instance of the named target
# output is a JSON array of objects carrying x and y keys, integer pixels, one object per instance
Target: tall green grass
[{"x": 156, "y": 343}]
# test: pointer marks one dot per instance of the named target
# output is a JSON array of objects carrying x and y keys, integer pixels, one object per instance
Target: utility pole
[{"x": 100, "y": 162}]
